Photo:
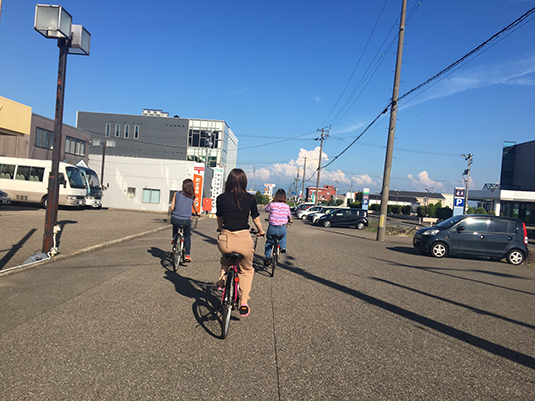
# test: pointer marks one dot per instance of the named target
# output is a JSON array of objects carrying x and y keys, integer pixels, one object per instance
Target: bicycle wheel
[
  {"x": 226, "y": 304},
  {"x": 274, "y": 257},
  {"x": 182, "y": 251},
  {"x": 175, "y": 256}
]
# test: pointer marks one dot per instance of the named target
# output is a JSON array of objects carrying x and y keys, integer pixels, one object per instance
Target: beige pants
[{"x": 241, "y": 242}]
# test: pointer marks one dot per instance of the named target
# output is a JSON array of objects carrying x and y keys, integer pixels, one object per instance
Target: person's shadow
[
  {"x": 206, "y": 300},
  {"x": 206, "y": 296}
]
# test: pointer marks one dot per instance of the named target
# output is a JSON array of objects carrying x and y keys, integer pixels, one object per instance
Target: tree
[
  {"x": 261, "y": 199},
  {"x": 480, "y": 210}
]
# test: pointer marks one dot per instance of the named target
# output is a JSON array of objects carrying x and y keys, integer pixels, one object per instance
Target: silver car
[{"x": 4, "y": 198}]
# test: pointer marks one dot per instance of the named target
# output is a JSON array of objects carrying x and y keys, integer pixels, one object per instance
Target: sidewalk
[{"x": 22, "y": 229}]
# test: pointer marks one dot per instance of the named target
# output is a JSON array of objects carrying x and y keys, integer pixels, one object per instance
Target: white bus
[{"x": 26, "y": 180}]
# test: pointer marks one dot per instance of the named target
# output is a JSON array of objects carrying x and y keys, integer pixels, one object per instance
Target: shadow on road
[
  {"x": 15, "y": 248},
  {"x": 206, "y": 301},
  {"x": 461, "y": 335},
  {"x": 62, "y": 225},
  {"x": 476, "y": 310},
  {"x": 437, "y": 270}
]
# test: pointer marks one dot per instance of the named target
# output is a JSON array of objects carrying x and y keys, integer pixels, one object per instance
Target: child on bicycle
[
  {"x": 181, "y": 213},
  {"x": 279, "y": 216},
  {"x": 234, "y": 206}
]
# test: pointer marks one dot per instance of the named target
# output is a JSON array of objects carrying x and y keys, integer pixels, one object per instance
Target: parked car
[
  {"x": 4, "y": 198},
  {"x": 345, "y": 217},
  {"x": 478, "y": 235},
  {"x": 313, "y": 217},
  {"x": 302, "y": 214},
  {"x": 302, "y": 206}
]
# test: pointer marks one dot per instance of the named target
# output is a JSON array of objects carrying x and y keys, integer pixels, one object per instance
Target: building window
[
  {"x": 151, "y": 195},
  {"x": 126, "y": 131},
  {"x": 108, "y": 129},
  {"x": 131, "y": 192},
  {"x": 136, "y": 131},
  {"x": 74, "y": 146},
  {"x": 117, "y": 130},
  {"x": 44, "y": 138}
]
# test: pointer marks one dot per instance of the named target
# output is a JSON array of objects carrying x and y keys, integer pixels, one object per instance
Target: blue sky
[{"x": 278, "y": 71}]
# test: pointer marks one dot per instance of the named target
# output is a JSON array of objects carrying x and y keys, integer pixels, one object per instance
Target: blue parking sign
[{"x": 458, "y": 202}]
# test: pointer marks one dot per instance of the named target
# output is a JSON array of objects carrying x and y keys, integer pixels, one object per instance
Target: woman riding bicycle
[
  {"x": 181, "y": 213},
  {"x": 233, "y": 209},
  {"x": 279, "y": 216}
]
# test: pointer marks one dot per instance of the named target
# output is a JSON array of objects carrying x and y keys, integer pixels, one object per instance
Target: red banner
[{"x": 198, "y": 177}]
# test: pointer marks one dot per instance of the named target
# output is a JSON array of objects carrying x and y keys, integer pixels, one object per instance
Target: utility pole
[
  {"x": 322, "y": 138},
  {"x": 295, "y": 183},
  {"x": 254, "y": 169},
  {"x": 466, "y": 177},
  {"x": 304, "y": 174},
  {"x": 381, "y": 230}
]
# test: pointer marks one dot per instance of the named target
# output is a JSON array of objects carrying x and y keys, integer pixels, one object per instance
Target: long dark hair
[
  {"x": 236, "y": 185},
  {"x": 188, "y": 189},
  {"x": 280, "y": 196}
]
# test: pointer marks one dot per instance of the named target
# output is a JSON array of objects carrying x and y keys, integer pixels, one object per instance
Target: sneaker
[
  {"x": 283, "y": 250},
  {"x": 173, "y": 241},
  {"x": 266, "y": 261},
  {"x": 244, "y": 310},
  {"x": 188, "y": 258}
]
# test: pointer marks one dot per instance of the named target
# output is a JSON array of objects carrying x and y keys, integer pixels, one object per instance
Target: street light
[
  {"x": 427, "y": 199},
  {"x": 466, "y": 177},
  {"x": 54, "y": 22}
]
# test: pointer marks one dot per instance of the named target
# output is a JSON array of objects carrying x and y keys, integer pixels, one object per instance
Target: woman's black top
[{"x": 234, "y": 218}]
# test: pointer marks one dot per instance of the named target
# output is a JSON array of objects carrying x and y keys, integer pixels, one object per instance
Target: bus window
[
  {"x": 37, "y": 174},
  {"x": 75, "y": 178},
  {"x": 23, "y": 173},
  {"x": 7, "y": 170}
]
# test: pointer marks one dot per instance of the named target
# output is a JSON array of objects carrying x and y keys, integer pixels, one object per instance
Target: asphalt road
[{"x": 344, "y": 318}]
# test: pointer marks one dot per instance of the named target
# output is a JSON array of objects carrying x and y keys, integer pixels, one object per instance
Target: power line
[{"x": 512, "y": 25}]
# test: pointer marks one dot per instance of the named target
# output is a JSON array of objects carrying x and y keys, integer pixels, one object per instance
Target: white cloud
[
  {"x": 283, "y": 173},
  {"x": 515, "y": 72},
  {"x": 423, "y": 180},
  {"x": 365, "y": 180}
]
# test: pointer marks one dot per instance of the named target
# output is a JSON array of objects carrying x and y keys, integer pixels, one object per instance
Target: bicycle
[
  {"x": 276, "y": 250},
  {"x": 230, "y": 297},
  {"x": 178, "y": 252},
  {"x": 275, "y": 253}
]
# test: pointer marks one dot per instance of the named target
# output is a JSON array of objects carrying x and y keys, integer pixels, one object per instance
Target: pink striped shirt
[{"x": 279, "y": 213}]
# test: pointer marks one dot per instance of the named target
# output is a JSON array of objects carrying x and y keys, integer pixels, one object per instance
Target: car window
[
  {"x": 475, "y": 225},
  {"x": 341, "y": 213},
  {"x": 448, "y": 223},
  {"x": 502, "y": 226}
]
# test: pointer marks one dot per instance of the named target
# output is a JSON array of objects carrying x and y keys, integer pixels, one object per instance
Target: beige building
[
  {"x": 27, "y": 135},
  {"x": 15, "y": 126}
]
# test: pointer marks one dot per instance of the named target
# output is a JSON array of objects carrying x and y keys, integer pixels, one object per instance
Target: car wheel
[
  {"x": 515, "y": 257},
  {"x": 327, "y": 223},
  {"x": 439, "y": 250},
  {"x": 44, "y": 202},
  {"x": 303, "y": 217},
  {"x": 360, "y": 226}
]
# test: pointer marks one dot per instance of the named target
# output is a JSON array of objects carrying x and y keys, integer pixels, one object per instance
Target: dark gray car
[{"x": 478, "y": 235}]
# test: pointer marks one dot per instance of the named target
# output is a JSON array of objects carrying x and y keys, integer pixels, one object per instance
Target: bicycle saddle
[
  {"x": 233, "y": 255},
  {"x": 277, "y": 237}
]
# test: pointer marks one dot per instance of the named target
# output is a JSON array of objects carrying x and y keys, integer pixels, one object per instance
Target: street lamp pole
[
  {"x": 466, "y": 175},
  {"x": 54, "y": 22},
  {"x": 51, "y": 217}
]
